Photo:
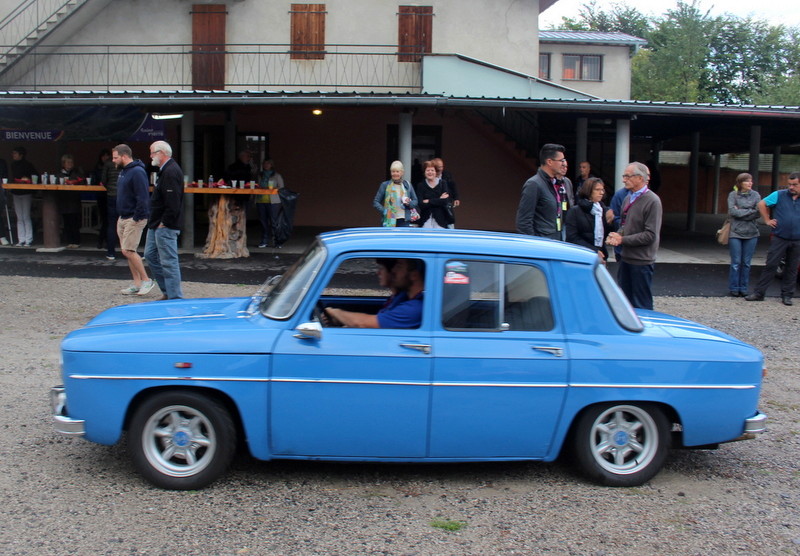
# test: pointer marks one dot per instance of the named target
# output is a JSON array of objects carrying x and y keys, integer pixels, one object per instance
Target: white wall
[{"x": 616, "y": 80}]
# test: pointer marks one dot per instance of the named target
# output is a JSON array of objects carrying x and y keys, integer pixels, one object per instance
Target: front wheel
[
  {"x": 621, "y": 445},
  {"x": 181, "y": 440}
]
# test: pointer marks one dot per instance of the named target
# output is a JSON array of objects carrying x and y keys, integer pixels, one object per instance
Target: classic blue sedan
[{"x": 520, "y": 349}]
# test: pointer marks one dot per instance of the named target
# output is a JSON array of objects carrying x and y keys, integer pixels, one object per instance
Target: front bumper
[
  {"x": 62, "y": 422},
  {"x": 752, "y": 426}
]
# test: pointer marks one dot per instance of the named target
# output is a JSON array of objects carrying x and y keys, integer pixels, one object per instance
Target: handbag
[
  {"x": 724, "y": 233},
  {"x": 414, "y": 214}
]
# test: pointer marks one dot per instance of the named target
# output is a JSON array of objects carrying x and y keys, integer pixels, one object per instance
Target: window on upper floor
[
  {"x": 544, "y": 65},
  {"x": 582, "y": 67},
  {"x": 415, "y": 24},
  {"x": 308, "y": 31}
]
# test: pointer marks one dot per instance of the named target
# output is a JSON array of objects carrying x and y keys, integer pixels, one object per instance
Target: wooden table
[
  {"x": 50, "y": 215},
  {"x": 227, "y": 221}
]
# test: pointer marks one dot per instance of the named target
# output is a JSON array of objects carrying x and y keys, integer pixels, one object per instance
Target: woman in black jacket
[
  {"x": 589, "y": 222},
  {"x": 434, "y": 199}
]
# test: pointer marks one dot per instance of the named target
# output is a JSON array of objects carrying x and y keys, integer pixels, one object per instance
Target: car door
[
  {"x": 360, "y": 393},
  {"x": 501, "y": 361}
]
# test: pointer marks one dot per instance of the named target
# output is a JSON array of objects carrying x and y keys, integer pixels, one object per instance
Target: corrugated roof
[
  {"x": 194, "y": 98},
  {"x": 590, "y": 37}
]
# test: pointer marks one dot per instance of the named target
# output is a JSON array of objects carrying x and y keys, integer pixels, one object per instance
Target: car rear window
[{"x": 488, "y": 295}]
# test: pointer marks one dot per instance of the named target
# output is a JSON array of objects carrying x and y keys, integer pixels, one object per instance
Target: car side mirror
[{"x": 309, "y": 331}]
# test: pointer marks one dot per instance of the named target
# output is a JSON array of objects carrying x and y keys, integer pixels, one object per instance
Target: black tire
[
  {"x": 621, "y": 444},
  {"x": 181, "y": 440}
]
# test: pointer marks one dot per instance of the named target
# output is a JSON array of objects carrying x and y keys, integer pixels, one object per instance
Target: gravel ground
[{"x": 67, "y": 496}]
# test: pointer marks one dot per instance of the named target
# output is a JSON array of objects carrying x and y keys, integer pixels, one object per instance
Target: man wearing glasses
[
  {"x": 166, "y": 220},
  {"x": 544, "y": 201},
  {"x": 638, "y": 235}
]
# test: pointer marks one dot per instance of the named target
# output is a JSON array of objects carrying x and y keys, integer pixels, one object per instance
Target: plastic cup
[
  {"x": 199, "y": 183},
  {"x": 5, "y": 180},
  {"x": 252, "y": 185},
  {"x": 53, "y": 179},
  {"x": 88, "y": 181},
  {"x": 34, "y": 179}
]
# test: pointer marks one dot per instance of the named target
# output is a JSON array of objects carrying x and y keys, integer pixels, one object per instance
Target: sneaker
[
  {"x": 130, "y": 290},
  {"x": 111, "y": 258},
  {"x": 147, "y": 285},
  {"x": 262, "y": 245},
  {"x": 3, "y": 241},
  {"x": 754, "y": 297},
  {"x": 787, "y": 300},
  {"x": 73, "y": 246}
]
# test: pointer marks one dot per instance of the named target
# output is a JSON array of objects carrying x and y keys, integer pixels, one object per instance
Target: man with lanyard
[
  {"x": 785, "y": 241},
  {"x": 639, "y": 236},
  {"x": 404, "y": 309},
  {"x": 544, "y": 201}
]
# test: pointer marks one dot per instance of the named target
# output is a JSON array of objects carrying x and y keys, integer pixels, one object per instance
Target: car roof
[{"x": 466, "y": 242}]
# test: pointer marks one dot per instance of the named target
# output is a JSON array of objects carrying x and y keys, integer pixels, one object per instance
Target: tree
[{"x": 622, "y": 18}]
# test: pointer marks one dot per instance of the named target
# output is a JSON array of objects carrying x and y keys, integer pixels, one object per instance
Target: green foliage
[
  {"x": 692, "y": 56},
  {"x": 448, "y": 524}
]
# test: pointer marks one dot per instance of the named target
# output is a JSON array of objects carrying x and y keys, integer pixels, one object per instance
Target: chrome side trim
[
  {"x": 464, "y": 384},
  {"x": 179, "y": 378},
  {"x": 669, "y": 386},
  {"x": 177, "y": 317}
]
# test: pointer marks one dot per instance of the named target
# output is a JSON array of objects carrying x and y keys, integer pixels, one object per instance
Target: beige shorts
[{"x": 130, "y": 233}]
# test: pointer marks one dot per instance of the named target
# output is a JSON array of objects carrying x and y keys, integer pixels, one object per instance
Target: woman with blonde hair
[
  {"x": 395, "y": 198},
  {"x": 743, "y": 213}
]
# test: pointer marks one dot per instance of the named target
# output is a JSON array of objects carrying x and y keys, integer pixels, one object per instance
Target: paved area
[{"x": 690, "y": 263}]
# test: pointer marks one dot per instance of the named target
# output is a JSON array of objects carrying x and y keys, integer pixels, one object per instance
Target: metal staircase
[{"x": 27, "y": 25}]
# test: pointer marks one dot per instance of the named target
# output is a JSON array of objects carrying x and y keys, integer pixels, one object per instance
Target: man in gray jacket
[
  {"x": 544, "y": 203},
  {"x": 639, "y": 235}
]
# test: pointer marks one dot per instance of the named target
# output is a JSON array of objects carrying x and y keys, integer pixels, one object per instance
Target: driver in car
[{"x": 404, "y": 309}]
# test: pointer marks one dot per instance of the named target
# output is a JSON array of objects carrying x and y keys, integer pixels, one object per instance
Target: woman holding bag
[
  {"x": 396, "y": 199},
  {"x": 743, "y": 213}
]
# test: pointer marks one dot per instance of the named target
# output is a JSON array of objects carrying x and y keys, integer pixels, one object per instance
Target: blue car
[{"x": 520, "y": 349}]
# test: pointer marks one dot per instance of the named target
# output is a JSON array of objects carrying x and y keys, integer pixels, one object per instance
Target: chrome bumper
[
  {"x": 755, "y": 424},
  {"x": 63, "y": 423}
]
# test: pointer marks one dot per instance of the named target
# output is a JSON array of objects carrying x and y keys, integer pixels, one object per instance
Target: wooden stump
[{"x": 227, "y": 230}]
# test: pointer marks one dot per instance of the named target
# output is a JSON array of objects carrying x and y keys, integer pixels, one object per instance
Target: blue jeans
[
  {"x": 161, "y": 253},
  {"x": 635, "y": 281},
  {"x": 741, "y": 255}
]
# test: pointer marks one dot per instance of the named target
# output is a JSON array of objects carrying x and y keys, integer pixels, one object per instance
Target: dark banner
[{"x": 92, "y": 123}]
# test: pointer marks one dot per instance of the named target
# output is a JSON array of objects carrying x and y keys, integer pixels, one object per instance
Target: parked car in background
[{"x": 526, "y": 350}]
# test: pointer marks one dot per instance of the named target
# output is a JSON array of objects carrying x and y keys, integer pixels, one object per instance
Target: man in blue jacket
[
  {"x": 785, "y": 242},
  {"x": 166, "y": 220},
  {"x": 133, "y": 208}
]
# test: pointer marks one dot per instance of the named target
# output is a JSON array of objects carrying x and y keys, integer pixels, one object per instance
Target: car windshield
[
  {"x": 619, "y": 304},
  {"x": 283, "y": 299}
]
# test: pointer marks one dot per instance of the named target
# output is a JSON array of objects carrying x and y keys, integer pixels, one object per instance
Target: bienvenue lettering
[{"x": 43, "y": 135}]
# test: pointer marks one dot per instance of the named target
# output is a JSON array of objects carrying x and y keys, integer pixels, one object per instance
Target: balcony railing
[{"x": 345, "y": 68}]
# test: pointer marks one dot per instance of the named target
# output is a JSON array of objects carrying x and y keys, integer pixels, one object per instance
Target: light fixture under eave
[
  {"x": 317, "y": 112},
  {"x": 157, "y": 116}
]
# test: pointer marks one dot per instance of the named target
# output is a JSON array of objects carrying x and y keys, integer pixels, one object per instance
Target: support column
[
  {"x": 717, "y": 166},
  {"x": 187, "y": 163},
  {"x": 694, "y": 163},
  {"x": 581, "y": 142},
  {"x": 623, "y": 152},
  {"x": 776, "y": 169},
  {"x": 404, "y": 139},
  {"x": 755, "y": 149}
]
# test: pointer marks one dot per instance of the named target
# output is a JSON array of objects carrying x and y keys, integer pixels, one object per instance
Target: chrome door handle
[
  {"x": 558, "y": 352},
  {"x": 424, "y": 348}
]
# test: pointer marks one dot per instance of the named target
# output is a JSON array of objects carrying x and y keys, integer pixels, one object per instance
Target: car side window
[{"x": 487, "y": 295}]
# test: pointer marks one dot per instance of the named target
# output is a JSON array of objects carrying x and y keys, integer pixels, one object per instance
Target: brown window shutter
[
  {"x": 308, "y": 32},
  {"x": 415, "y": 26},
  {"x": 208, "y": 46}
]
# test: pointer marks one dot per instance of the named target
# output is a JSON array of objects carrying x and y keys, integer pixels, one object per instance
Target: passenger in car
[{"x": 404, "y": 309}]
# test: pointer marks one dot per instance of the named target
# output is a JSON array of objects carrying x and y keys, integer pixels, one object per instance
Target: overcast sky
[{"x": 776, "y": 12}]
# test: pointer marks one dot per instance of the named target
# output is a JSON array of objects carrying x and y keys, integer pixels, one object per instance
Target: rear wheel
[
  {"x": 181, "y": 440},
  {"x": 621, "y": 444}
]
